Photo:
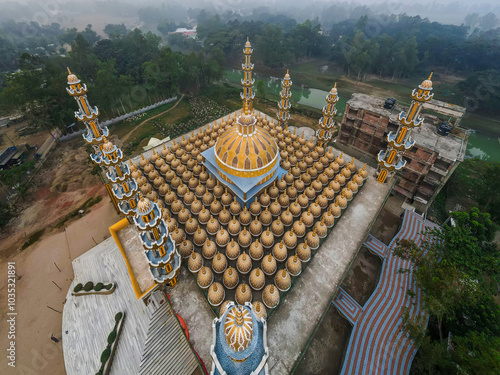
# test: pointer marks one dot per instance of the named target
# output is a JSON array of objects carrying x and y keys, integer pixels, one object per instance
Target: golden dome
[
  {"x": 265, "y": 199},
  {"x": 238, "y": 328},
  {"x": 284, "y": 199},
  {"x": 218, "y": 190},
  {"x": 267, "y": 238},
  {"x": 259, "y": 309},
  {"x": 191, "y": 225},
  {"x": 257, "y": 279},
  {"x": 321, "y": 229},
  {"x": 294, "y": 266},
  {"x": 271, "y": 296},
  {"x": 255, "y": 227},
  {"x": 295, "y": 209},
  {"x": 268, "y": 265},
  {"x": 209, "y": 249},
  {"x": 208, "y": 197},
  {"x": 204, "y": 216},
  {"x": 226, "y": 198},
  {"x": 178, "y": 235},
  {"x": 335, "y": 185},
  {"x": 283, "y": 280},
  {"x": 275, "y": 208},
  {"x": 210, "y": 183},
  {"x": 335, "y": 209},
  {"x": 341, "y": 200},
  {"x": 185, "y": 248},
  {"x": 230, "y": 278},
  {"x": 222, "y": 237},
  {"x": 200, "y": 190},
  {"x": 196, "y": 206},
  {"x": 266, "y": 217},
  {"x": 171, "y": 223},
  {"x": 328, "y": 193},
  {"x": 235, "y": 207},
  {"x": 286, "y": 217},
  {"x": 299, "y": 228},
  {"x": 315, "y": 209},
  {"x": 290, "y": 239},
  {"x": 328, "y": 218},
  {"x": 234, "y": 227},
  {"x": 274, "y": 191},
  {"x": 310, "y": 193},
  {"x": 256, "y": 250},
  {"x": 291, "y": 192},
  {"x": 246, "y": 150},
  {"x": 176, "y": 206},
  {"x": 352, "y": 186},
  {"x": 195, "y": 262},
  {"x": 232, "y": 250},
  {"x": 72, "y": 79},
  {"x": 312, "y": 239},
  {"x": 346, "y": 172},
  {"x": 244, "y": 263},
  {"x": 219, "y": 263},
  {"x": 205, "y": 277},
  {"x": 243, "y": 294},
  {"x": 244, "y": 238},
  {"x": 186, "y": 176},
  {"x": 255, "y": 207},
  {"x": 224, "y": 216},
  {"x": 281, "y": 184},
  {"x": 363, "y": 172},
  {"x": 277, "y": 227},
  {"x": 317, "y": 185},
  {"x": 197, "y": 169},
  {"x": 223, "y": 307},
  {"x": 212, "y": 226},
  {"x": 340, "y": 160},
  {"x": 280, "y": 252},
  {"x": 215, "y": 207},
  {"x": 307, "y": 218},
  {"x": 144, "y": 206},
  {"x": 358, "y": 179},
  {"x": 200, "y": 236},
  {"x": 425, "y": 85},
  {"x": 245, "y": 216},
  {"x": 216, "y": 294},
  {"x": 303, "y": 252}
]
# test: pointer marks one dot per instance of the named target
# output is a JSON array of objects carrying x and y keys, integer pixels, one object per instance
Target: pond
[{"x": 479, "y": 145}]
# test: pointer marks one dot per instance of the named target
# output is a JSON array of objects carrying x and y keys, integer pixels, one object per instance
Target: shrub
[
  {"x": 105, "y": 355},
  {"x": 89, "y": 286},
  {"x": 78, "y": 287},
  {"x": 98, "y": 287},
  {"x": 108, "y": 286},
  {"x": 112, "y": 337},
  {"x": 118, "y": 316}
]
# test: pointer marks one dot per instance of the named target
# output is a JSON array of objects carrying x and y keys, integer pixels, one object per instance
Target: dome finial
[
  {"x": 69, "y": 71},
  {"x": 430, "y": 76}
]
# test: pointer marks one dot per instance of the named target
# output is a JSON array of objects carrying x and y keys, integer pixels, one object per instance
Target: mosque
[{"x": 244, "y": 203}]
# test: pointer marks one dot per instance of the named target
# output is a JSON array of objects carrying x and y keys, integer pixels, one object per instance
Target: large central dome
[{"x": 246, "y": 150}]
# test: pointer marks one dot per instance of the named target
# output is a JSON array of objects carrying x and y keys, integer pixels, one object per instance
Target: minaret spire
[
  {"x": 391, "y": 159},
  {"x": 326, "y": 122},
  {"x": 284, "y": 103},
  {"x": 247, "y": 81}
]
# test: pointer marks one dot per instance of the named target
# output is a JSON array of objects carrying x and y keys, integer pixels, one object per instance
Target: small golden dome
[
  {"x": 335, "y": 209},
  {"x": 235, "y": 207},
  {"x": 181, "y": 190},
  {"x": 216, "y": 294},
  {"x": 335, "y": 185},
  {"x": 215, "y": 207},
  {"x": 223, "y": 307},
  {"x": 175, "y": 163},
  {"x": 208, "y": 198},
  {"x": 226, "y": 198},
  {"x": 259, "y": 309},
  {"x": 245, "y": 216},
  {"x": 267, "y": 238},
  {"x": 295, "y": 209},
  {"x": 255, "y": 207},
  {"x": 169, "y": 157},
  {"x": 197, "y": 169},
  {"x": 200, "y": 236},
  {"x": 210, "y": 183},
  {"x": 232, "y": 250},
  {"x": 328, "y": 194},
  {"x": 177, "y": 235},
  {"x": 255, "y": 227},
  {"x": 341, "y": 200},
  {"x": 275, "y": 208},
  {"x": 271, "y": 296},
  {"x": 195, "y": 262},
  {"x": 317, "y": 185},
  {"x": 346, "y": 172},
  {"x": 425, "y": 85},
  {"x": 347, "y": 193},
  {"x": 294, "y": 266},
  {"x": 174, "y": 147},
  {"x": 257, "y": 279},
  {"x": 277, "y": 227},
  {"x": 266, "y": 217},
  {"x": 170, "y": 175},
  {"x": 230, "y": 278},
  {"x": 303, "y": 252},
  {"x": 308, "y": 159},
  {"x": 234, "y": 227},
  {"x": 291, "y": 192},
  {"x": 200, "y": 190},
  {"x": 196, "y": 206},
  {"x": 171, "y": 223},
  {"x": 222, "y": 237},
  {"x": 290, "y": 239},
  {"x": 191, "y": 225},
  {"x": 281, "y": 184},
  {"x": 244, "y": 263},
  {"x": 286, "y": 217},
  {"x": 312, "y": 239},
  {"x": 203, "y": 175},
  {"x": 352, "y": 186},
  {"x": 280, "y": 252},
  {"x": 274, "y": 191},
  {"x": 363, "y": 172},
  {"x": 244, "y": 238},
  {"x": 185, "y": 248},
  {"x": 321, "y": 229},
  {"x": 315, "y": 209},
  {"x": 180, "y": 170},
  {"x": 268, "y": 265},
  {"x": 243, "y": 294},
  {"x": 224, "y": 216},
  {"x": 310, "y": 192},
  {"x": 283, "y": 200},
  {"x": 213, "y": 226},
  {"x": 218, "y": 190},
  {"x": 328, "y": 218},
  {"x": 256, "y": 250},
  {"x": 340, "y": 178},
  {"x": 265, "y": 199},
  {"x": 209, "y": 249},
  {"x": 219, "y": 263},
  {"x": 188, "y": 198},
  {"x": 205, "y": 277},
  {"x": 307, "y": 218},
  {"x": 144, "y": 206},
  {"x": 186, "y": 176},
  {"x": 283, "y": 280},
  {"x": 340, "y": 160},
  {"x": 299, "y": 228},
  {"x": 358, "y": 179},
  {"x": 204, "y": 216}
]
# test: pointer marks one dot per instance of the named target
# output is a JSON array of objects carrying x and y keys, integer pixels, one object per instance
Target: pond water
[{"x": 479, "y": 145}]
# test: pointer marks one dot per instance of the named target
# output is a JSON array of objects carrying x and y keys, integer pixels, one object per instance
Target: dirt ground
[{"x": 44, "y": 276}]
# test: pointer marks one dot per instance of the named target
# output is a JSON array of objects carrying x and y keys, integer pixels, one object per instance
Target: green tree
[{"x": 261, "y": 89}]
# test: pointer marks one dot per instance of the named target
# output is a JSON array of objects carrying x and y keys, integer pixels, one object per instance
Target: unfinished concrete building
[{"x": 430, "y": 162}]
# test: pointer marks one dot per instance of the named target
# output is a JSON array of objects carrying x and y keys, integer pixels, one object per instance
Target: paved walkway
[{"x": 378, "y": 345}]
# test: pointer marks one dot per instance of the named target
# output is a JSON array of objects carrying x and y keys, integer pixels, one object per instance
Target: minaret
[
  {"x": 89, "y": 115},
  {"x": 284, "y": 104},
  {"x": 326, "y": 122},
  {"x": 391, "y": 159},
  {"x": 124, "y": 187},
  {"x": 247, "y": 81},
  {"x": 162, "y": 256}
]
